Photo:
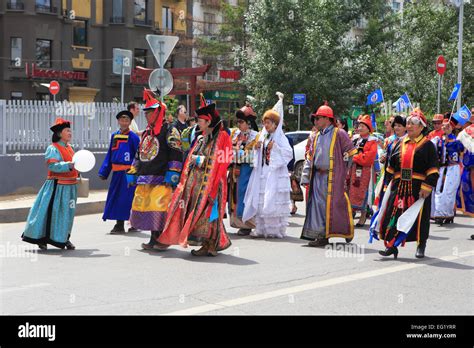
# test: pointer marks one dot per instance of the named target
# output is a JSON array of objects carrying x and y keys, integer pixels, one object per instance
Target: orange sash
[{"x": 66, "y": 178}]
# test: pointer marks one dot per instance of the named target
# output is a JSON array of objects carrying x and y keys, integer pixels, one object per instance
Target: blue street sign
[{"x": 299, "y": 99}]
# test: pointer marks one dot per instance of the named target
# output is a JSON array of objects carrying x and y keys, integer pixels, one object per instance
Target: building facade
[{"x": 72, "y": 41}]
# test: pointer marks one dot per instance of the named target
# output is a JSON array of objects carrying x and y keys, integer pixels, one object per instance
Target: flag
[
  {"x": 454, "y": 93},
  {"x": 375, "y": 97},
  {"x": 463, "y": 115},
  {"x": 402, "y": 103},
  {"x": 374, "y": 121}
]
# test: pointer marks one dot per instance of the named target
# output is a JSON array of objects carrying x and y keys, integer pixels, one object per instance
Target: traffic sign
[
  {"x": 299, "y": 99},
  {"x": 161, "y": 46},
  {"x": 441, "y": 65},
  {"x": 120, "y": 57},
  {"x": 162, "y": 80},
  {"x": 54, "y": 87}
]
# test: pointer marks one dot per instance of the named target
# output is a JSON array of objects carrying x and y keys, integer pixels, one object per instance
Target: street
[{"x": 110, "y": 274}]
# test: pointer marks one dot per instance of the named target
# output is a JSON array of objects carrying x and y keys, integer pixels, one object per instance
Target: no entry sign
[
  {"x": 441, "y": 65},
  {"x": 54, "y": 87}
]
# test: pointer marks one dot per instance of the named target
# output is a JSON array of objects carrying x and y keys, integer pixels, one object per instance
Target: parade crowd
[{"x": 181, "y": 179}]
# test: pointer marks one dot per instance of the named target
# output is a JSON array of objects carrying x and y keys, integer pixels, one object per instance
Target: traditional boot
[
  {"x": 420, "y": 250},
  {"x": 203, "y": 251},
  {"x": 244, "y": 232},
  {"x": 390, "y": 251},
  {"x": 70, "y": 246},
  {"x": 118, "y": 228},
  {"x": 319, "y": 242},
  {"x": 149, "y": 245},
  {"x": 211, "y": 251}
]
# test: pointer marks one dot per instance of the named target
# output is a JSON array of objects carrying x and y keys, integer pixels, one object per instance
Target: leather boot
[{"x": 420, "y": 250}]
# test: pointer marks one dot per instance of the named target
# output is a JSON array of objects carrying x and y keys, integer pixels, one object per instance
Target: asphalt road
[{"x": 110, "y": 274}]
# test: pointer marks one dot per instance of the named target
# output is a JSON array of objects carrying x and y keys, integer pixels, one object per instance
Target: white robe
[{"x": 268, "y": 194}]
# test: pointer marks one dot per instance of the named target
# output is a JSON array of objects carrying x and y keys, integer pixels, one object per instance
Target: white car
[{"x": 299, "y": 144}]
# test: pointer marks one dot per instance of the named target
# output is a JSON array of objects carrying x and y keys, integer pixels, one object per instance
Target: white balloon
[{"x": 84, "y": 161}]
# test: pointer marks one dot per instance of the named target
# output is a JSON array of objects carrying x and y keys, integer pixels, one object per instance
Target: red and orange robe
[{"x": 198, "y": 205}]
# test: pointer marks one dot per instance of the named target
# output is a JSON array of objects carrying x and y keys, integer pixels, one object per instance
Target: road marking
[
  {"x": 24, "y": 287},
  {"x": 315, "y": 285}
]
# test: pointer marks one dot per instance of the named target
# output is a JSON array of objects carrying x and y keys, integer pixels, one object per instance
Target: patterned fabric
[{"x": 150, "y": 206}]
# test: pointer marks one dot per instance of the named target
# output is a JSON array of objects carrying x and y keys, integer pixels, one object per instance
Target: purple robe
[{"x": 328, "y": 215}]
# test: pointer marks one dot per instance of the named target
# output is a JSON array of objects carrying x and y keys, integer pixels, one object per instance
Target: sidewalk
[{"x": 15, "y": 208}]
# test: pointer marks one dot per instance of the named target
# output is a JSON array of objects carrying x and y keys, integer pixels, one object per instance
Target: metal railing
[
  {"x": 15, "y": 5},
  {"x": 117, "y": 20},
  {"x": 24, "y": 124},
  {"x": 146, "y": 22},
  {"x": 46, "y": 9}
]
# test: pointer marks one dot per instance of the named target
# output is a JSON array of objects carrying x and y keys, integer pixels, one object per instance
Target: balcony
[
  {"x": 117, "y": 20},
  {"x": 15, "y": 6},
  {"x": 46, "y": 9},
  {"x": 143, "y": 23},
  {"x": 212, "y": 3}
]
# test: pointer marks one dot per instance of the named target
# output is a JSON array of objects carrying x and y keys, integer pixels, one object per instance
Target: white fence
[{"x": 25, "y": 124}]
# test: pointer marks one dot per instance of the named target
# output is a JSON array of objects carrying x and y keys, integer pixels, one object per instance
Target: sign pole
[
  {"x": 439, "y": 92},
  {"x": 162, "y": 74},
  {"x": 299, "y": 107},
  {"x": 461, "y": 15},
  {"x": 123, "y": 82}
]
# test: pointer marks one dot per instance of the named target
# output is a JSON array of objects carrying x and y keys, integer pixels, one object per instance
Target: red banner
[
  {"x": 55, "y": 74},
  {"x": 229, "y": 74}
]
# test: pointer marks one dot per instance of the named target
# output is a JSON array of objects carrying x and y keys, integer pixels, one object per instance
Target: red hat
[
  {"x": 324, "y": 111},
  {"x": 60, "y": 124},
  {"x": 209, "y": 113},
  {"x": 160, "y": 109},
  {"x": 417, "y": 113},
  {"x": 366, "y": 120},
  {"x": 438, "y": 117}
]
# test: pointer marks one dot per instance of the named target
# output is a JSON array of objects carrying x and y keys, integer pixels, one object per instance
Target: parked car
[{"x": 299, "y": 144}]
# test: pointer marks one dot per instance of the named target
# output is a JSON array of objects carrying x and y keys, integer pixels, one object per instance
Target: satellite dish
[{"x": 163, "y": 83}]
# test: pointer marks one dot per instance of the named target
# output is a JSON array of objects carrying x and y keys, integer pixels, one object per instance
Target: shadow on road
[
  {"x": 80, "y": 253},
  {"x": 186, "y": 256},
  {"x": 438, "y": 238},
  {"x": 440, "y": 263}
]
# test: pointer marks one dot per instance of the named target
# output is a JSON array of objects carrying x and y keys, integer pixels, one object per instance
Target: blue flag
[
  {"x": 463, "y": 115},
  {"x": 454, "y": 93},
  {"x": 402, "y": 103},
  {"x": 375, "y": 97}
]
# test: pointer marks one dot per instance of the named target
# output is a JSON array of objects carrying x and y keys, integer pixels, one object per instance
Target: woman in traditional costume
[
  {"x": 466, "y": 189},
  {"x": 413, "y": 173},
  {"x": 361, "y": 182},
  {"x": 52, "y": 215},
  {"x": 449, "y": 151},
  {"x": 268, "y": 194},
  {"x": 244, "y": 139},
  {"x": 197, "y": 209}
]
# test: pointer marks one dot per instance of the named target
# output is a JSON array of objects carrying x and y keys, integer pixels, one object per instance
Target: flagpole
[{"x": 383, "y": 101}]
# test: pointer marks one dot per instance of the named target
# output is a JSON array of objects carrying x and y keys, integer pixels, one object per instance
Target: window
[
  {"x": 117, "y": 9},
  {"x": 43, "y": 53},
  {"x": 167, "y": 19},
  {"x": 139, "y": 57},
  {"x": 396, "y": 6},
  {"x": 16, "y": 95},
  {"x": 43, "y": 5},
  {"x": 79, "y": 33},
  {"x": 15, "y": 49},
  {"x": 140, "y": 11},
  {"x": 209, "y": 23}
]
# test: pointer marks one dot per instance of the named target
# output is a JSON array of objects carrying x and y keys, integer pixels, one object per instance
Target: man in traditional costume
[
  {"x": 157, "y": 168},
  {"x": 437, "y": 123},
  {"x": 449, "y": 151},
  {"x": 122, "y": 150},
  {"x": 244, "y": 139},
  {"x": 361, "y": 177},
  {"x": 267, "y": 199},
  {"x": 328, "y": 212},
  {"x": 52, "y": 215},
  {"x": 413, "y": 173},
  {"x": 198, "y": 206}
]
